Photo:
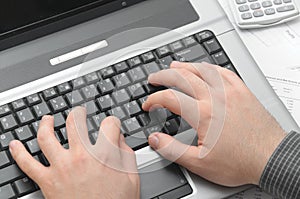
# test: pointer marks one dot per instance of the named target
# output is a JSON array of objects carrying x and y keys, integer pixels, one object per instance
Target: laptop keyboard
[{"x": 118, "y": 90}]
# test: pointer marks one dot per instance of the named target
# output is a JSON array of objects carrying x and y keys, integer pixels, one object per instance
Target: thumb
[{"x": 173, "y": 150}]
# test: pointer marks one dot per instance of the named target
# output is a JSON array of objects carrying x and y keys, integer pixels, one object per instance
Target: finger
[
  {"x": 47, "y": 140},
  {"x": 77, "y": 129},
  {"x": 128, "y": 157},
  {"x": 176, "y": 102},
  {"x": 183, "y": 79},
  {"x": 109, "y": 131},
  {"x": 173, "y": 150},
  {"x": 34, "y": 169},
  {"x": 208, "y": 72}
]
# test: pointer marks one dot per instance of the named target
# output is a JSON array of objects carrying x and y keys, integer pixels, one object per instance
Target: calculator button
[
  {"x": 277, "y": 2},
  {"x": 286, "y": 8},
  {"x": 240, "y": 1},
  {"x": 246, "y": 16},
  {"x": 266, "y": 4},
  {"x": 270, "y": 11},
  {"x": 244, "y": 8},
  {"x": 258, "y": 13},
  {"x": 255, "y": 6}
]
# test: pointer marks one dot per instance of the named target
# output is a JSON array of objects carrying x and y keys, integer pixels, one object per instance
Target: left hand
[{"x": 104, "y": 170}]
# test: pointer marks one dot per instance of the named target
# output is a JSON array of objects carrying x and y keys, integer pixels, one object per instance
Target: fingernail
[
  {"x": 47, "y": 117},
  {"x": 12, "y": 145},
  {"x": 153, "y": 141}
]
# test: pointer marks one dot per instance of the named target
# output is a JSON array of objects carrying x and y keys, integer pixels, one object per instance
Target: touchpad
[{"x": 163, "y": 180}]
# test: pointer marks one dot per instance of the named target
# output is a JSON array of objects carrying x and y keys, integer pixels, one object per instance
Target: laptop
[{"x": 98, "y": 53}]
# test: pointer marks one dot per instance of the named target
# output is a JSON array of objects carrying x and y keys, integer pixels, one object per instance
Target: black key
[
  {"x": 151, "y": 68},
  {"x": 212, "y": 46},
  {"x": 189, "y": 41},
  {"x": 58, "y": 104},
  {"x": 7, "y": 191},
  {"x": 107, "y": 72},
  {"x": 153, "y": 129},
  {"x": 90, "y": 92},
  {"x": 94, "y": 137},
  {"x": 23, "y": 133},
  {"x": 121, "y": 67},
  {"x": 59, "y": 120},
  {"x": 25, "y": 116},
  {"x": 33, "y": 99},
  {"x": 78, "y": 83},
  {"x": 132, "y": 108},
  {"x": 121, "y": 97},
  {"x": 18, "y": 104},
  {"x": 67, "y": 112},
  {"x": 44, "y": 160},
  {"x": 91, "y": 78},
  {"x": 41, "y": 109},
  {"x": 220, "y": 58},
  {"x": 33, "y": 146},
  {"x": 35, "y": 126},
  {"x": 144, "y": 119},
  {"x": 66, "y": 146},
  {"x": 57, "y": 135},
  {"x": 121, "y": 80},
  {"x": 106, "y": 86},
  {"x": 142, "y": 100},
  {"x": 8, "y": 122},
  {"x": 4, "y": 110},
  {"x": 49, "y": 93},
  {"x": 163, "y": 51},
  {"x": 137, "y": 140},
  {"x": 10, "y": 173},
  {"x": 177, "y": 193},
  {"x": 105, "y": 102},
  {"x": 97, "y": 119},
  {"x": 91, "y": 108},
  {"x": 171, "y": 127},
  {"x": 131, "y": 125},
  {"x": 134, "y": 62},
  {"x": 63, "y": 132},
  {"x": 64, "y": 88},
  {"x": 117, "y": 112},
  {"x": 190, "y": 54},
  {"x": 74, "y": 98},
  {"x": 152, "y": 89},
  {"x": 165, "y": 62},
  {"x": 176, "y": 46},
  {"x": 24, "y": 186},
  {"x": 204, "y": 36},
  {"x": 4, "y": 159},
  {"x": 90, "y": 126},
  {"x": 136, "y": 91},
  {"x": 148, "y": 57},
  {"x": 136, "y": 74}
]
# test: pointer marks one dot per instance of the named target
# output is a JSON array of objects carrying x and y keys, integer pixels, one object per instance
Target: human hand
[
  {"x": 104, "y": 170},
  {"x": 236, "y": 135}
]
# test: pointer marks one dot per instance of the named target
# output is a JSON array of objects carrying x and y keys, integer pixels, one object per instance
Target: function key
[
  {"x": 204, "y": 36},
  {"x": 78, "y": 83},
  {"x": 4, "y": 110},
  {"x": 148, "y": 57},
  {"x": 190, "y": 54},
  {"x": 241, "y": 1},
  {"x": 50, "y": 93},
  {"x": 121, "y": 67},
  {"x": 8, "y": 122},
  {"x": 64, "y": 88},
  {"x": 220, "y": 58},
  {"x": 212, "y": 46},
  {"x": 91, "y": 78},
  {"x": 189, "y": 41},
  {"x": 134, "y": 62},
  {"x": 163, "y": 51},
  {"x": 18, "y": 104},
  {"x": 176, "y": 46},
  {"x": 33, "y": 99},
  {"x": 107, "y": 72}
]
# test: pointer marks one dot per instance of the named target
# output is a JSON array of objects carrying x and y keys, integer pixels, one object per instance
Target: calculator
[{"x": 263, "y": 13}]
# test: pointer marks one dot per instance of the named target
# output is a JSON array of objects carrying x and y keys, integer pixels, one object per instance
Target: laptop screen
[{"x": 19, "y": 17}]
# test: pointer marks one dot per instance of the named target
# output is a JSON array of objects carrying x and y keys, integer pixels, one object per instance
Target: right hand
[{"x": 236, "y": 135}]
